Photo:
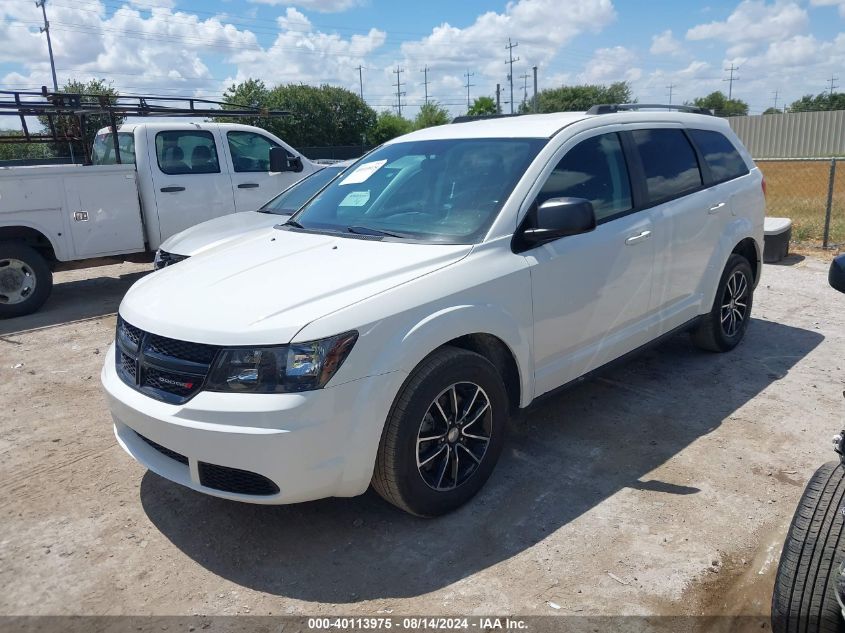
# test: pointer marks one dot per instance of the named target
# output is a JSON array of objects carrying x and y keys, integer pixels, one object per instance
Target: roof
[{"x": 547, "y": 125}]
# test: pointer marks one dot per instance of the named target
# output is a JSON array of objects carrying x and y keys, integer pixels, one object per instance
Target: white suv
[{"x": 384, "y": 334}]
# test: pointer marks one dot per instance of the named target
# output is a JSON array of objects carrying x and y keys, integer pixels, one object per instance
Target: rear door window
[
  {"x": 187, "y": 152},
  {"x": 669, "y": 162},
  {"x": 719, "y": 153}
]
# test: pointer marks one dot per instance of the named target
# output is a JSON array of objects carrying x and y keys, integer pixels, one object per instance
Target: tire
[
  {"x": 736, "y": 287},
  {"x": 408, "y": 479},
  {"x": 804, "y": 598},
  {"x": 25, "y": 280}
]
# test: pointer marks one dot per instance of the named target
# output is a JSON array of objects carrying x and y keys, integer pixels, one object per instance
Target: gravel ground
[{"x": 663, "y": 487}]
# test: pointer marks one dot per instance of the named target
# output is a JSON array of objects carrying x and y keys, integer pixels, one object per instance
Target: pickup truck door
[
  {"x": 253, "y": 182},
  {"x": 190, "y": 184}
]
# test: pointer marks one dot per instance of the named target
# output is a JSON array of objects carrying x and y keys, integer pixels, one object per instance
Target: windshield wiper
[
  {"x": 294, "y": 224},
  {"x": 368, "y": 230}
]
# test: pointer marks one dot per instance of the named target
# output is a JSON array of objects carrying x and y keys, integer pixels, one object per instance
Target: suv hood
[
  {"x": 263, "y": 287},
  {"x": 214, "y": 232}
]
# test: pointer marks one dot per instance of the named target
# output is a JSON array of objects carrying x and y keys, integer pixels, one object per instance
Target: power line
[
  {"x": 425, "y": 82},
  {"x": 468, "y": 85},
  {"x": 46, "y": 29},
  {"x": 731, "y": 80},
  {"x": 398, "y": 72},
  {"x": 832, "y": 85},
  {"x": 510, "y": 61}
]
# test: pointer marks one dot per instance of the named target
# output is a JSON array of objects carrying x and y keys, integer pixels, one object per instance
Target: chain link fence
[{"x": 811, "y": 192}]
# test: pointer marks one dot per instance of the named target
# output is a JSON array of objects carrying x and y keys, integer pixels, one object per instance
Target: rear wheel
[
  {"x": 25, "y": 279},
  {"x": 443, "y": 435},
  {"x": 804, "y": 599},
  {"x": 721, "y": 329}
]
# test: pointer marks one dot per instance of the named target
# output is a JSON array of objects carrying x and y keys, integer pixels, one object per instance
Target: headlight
[
  {"x": 163, "y": 259},
  {"x": 281, "y": 369}
]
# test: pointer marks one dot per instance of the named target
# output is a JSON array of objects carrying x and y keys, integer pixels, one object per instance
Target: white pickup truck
[{"x": 172, "y": 176}]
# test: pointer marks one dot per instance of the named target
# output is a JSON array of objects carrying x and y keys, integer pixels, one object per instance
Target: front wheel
[
  {"x": 721, "y": 329},
  {"x": 25, "y": 280},
  {"x": 444, "y": 433}
]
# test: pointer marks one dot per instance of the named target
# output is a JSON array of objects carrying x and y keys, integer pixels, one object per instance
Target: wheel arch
[{"x": 31, "y": 236}]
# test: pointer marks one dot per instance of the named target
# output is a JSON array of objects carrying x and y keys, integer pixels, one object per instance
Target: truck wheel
[
  {"x": 443, "y": 435},
  {"x": 804, "y": 598},
  {"x": 721, "y": 329},
  {"x": 25, "y": 280}
]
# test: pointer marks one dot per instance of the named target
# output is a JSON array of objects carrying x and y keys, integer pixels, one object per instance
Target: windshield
[
  {"x": 102, "y": 153},
  {"x": 446, "y": 190},
  {"x": 298, "y": 194}
]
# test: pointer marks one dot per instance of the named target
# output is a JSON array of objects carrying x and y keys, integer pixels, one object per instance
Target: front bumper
[{"x": 310, "y": 445}]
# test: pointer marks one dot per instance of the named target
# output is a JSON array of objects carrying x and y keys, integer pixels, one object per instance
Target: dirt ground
[{"x": 663, "y": 487}]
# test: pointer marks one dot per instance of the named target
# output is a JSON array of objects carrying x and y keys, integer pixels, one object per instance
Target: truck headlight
[{"x": 280, "y": 369}]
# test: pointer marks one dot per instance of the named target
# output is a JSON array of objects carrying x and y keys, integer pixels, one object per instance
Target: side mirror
[
  {"x": 280, "y": 160},
  {"x": 556, "y": 218},
  {"x": 836, "y": 276}
]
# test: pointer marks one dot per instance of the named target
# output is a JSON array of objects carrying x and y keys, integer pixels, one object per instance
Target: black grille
[
  {"x": 165, "y": 451},
  {"x": 235, "y": 480},
  {"x": 161, "y": 367},
  {"x": 164, "y": 259},
  {"x": 194, "y": 352}
]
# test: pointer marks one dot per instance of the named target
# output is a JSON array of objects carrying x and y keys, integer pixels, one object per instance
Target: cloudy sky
[{"x": 199, "y": 47}]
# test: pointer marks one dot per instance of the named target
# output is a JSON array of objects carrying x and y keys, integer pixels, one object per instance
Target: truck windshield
[
  {"x": 298, "y": 194},
  {"x": 102, "y": 153},
  {"x": 447, "y": 190}
]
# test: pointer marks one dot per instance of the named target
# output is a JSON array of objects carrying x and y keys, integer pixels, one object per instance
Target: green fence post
[{"x": 831, "y": 180}]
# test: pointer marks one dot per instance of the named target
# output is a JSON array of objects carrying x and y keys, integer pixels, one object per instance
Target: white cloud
[
  {"x": 665, "y": 44},
  {"x": 754, "y": 23},
  {"x": 609, "y": 65},
  {"x": 323, "y": 6},
  {"x": 830, "y": 3}
]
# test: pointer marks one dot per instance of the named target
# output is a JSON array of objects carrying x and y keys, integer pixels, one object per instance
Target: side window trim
[{"x": 704, "y": 169}]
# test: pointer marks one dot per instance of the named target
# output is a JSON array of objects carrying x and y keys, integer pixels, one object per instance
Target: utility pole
[
  {"x": 468, "y": 85},
  {"x": 524, "y": 90},
  {"x": 511, "y": 59},
  {"x": 776, "y": 100},
  {"x": 398, "y": 72},
  {"x": 425, "y": 82},
  {"x": 731, "y": 79},
  {"x": 830, "y": 81},
  {"x": 535, "y": 104},
  {"x": 498, "y": 98},
  {"x": 46, "y": 29},
  {"x": 361, "y": 80},
  {"x": 670, "y": 87}
]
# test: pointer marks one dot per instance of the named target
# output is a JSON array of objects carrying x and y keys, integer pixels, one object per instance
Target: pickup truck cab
[
  {"x": 173, "y": 176},
  {"x": 384, "y": 334},
  {"x": 213, "y": 233}
]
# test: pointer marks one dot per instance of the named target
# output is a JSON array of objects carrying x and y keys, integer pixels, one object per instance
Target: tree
[
  {"x": 772, "y": 111},
  {"x": 388, "y": 126},
  {"x": 18, "y": 151},
  {"x": 821, "y": 101},
  {"x": 580, "y": 98},
  {"x": 320, "y": 115},
  {"x": 70, "y": 124},
  {"x": 721, "y": 105},
  {"x": 482, "y": 106},
  {"x": 431, "y": 114}
]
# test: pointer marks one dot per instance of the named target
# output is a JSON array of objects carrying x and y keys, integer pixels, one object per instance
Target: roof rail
[
  {"x": 610, "y": 108},
  {"x": 466, "y": 118}
]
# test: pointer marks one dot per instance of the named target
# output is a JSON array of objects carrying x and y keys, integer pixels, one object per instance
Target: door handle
[
  {"x": 639, "y": 237},
  {"x": 248, "y": 185},
  {"x": 172, "y": 189},
  {"x": 715, "y": 208}
]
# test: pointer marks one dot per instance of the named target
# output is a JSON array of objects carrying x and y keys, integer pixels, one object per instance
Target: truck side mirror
[
  {"x": 836, "y": 276},
  {"x": 280, "y": 160}
]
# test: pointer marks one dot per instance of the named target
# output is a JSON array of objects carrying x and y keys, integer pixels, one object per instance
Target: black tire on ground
[
  {"x": 710, "y": 334},
  {"x": 804, "y": 599},
  {"x": 396, "y": 477},
  {"x": 34, "y": 265}
]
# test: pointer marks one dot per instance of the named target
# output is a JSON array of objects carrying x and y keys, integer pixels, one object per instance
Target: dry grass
[{"x": 798, "y": 190}]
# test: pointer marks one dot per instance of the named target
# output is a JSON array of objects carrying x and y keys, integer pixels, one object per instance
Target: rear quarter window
[{"x": 719, "y": 153}]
